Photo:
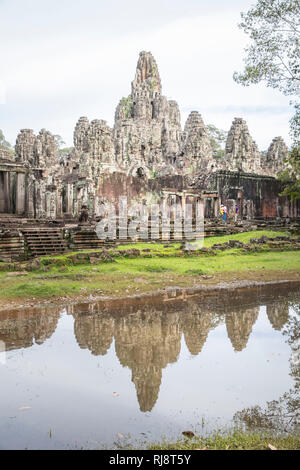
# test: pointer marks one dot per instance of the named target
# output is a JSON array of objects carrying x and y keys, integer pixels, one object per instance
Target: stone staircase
[
  {"x": 44, "y": 241},
  {"x": 88, "y": 240}
]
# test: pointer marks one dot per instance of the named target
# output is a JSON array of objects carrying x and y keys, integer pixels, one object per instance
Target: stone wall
[
  {"x": 145, "y": 152},
  {"x": 258, "y": 196}
]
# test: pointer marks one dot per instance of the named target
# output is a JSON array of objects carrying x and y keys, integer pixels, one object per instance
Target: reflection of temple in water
[
  {"x": 148, "y": 335},
  {"x": 196, "y": 328},
  {"x": 94, "y": 333},
  {"x": 239, "y": 325},
  {"x": 278, "y": 314},
  {"x": 23, "y": 328},
  {"x": 146, "y": 343}
]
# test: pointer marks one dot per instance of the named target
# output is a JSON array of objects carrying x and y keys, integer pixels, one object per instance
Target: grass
[
  {"x": 173, "y": 247},
  {"x": 234, "y": 441},
  {"x": 127, "y": 276},
  {"x": 208, "y": 241}
]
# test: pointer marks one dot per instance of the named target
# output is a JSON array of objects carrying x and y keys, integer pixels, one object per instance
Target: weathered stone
[
  {"x": 196, "y": 143},
  {"x": 24, "y": 147},
  {"x": 147, "y": 131},
  {"x": 242, "y": 153},
  {"x": 274, "y": 161},
  {"x": 144, "y": 155}
]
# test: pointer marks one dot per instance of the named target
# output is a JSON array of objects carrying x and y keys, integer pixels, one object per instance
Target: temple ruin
[{"x": 146, "y": 156}]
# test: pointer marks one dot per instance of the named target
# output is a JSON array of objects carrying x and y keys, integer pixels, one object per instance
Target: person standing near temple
[
  {"x": 236, "y": 212},
  {"x": 222, "y": 210},
  {"x": 225, "y": 213}
]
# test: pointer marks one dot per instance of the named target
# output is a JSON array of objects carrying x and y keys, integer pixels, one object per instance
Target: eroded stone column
[
  {"x": 20, "y": 194},
  {"x": 216, "y": 207},
  {"x": 70, "y": 198},
  {"x": 2, "y": 192},
  {"x": 7, "y": 191},
  {"x": 30, "y": 196}
]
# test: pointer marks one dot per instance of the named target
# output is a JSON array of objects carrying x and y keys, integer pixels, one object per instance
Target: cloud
[
  {"x": 62, "y": 63},
  {"x": 2, "y": 93}
]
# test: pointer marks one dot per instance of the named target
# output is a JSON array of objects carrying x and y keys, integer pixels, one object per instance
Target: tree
[
  {"x": 217, "y": 139},
  {"x": 3, "y": 142},
  {"x": 274, "y": 57},
  {"x": 60, "y": 142},
  {"x": 274, "y": 54},
  {"x": 63, "y": 151},
  {"x": 282, "y": 415},
  {"x": 291, "y": 175}
]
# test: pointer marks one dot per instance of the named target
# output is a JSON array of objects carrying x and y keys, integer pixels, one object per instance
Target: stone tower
[
  {"x": 24, "y": 147},
  {"x": 272, "y": 162},
  {"x": 147, "y": 131},
  {"x": 196, "y": 143},
  {"x": 242, "y": 153}
]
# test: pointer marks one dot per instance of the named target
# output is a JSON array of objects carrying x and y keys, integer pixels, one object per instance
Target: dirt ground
[{"x": 201, "y": 284}]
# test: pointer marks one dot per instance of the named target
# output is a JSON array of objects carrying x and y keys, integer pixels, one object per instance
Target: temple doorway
[{"x": 5, "y": 203}]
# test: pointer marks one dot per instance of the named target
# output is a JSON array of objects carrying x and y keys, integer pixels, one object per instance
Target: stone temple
[{"x": 148, "y": 156}]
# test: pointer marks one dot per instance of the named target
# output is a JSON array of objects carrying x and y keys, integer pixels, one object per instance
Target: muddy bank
[{"x": 209, "y": 287}]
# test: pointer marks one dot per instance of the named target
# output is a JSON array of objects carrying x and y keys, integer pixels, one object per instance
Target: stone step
[{"x": 42, "y": 241}]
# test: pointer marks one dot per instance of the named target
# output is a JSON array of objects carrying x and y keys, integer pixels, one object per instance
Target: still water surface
[{"x": 79, "y": 376}]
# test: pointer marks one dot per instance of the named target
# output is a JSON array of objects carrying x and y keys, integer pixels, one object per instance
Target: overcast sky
[{"x": 62, "y": 59}]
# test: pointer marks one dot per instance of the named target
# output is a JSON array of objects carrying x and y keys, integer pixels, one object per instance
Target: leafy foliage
[
  {"x": 274, "y": 54},
  {"x": 291, "y": 176},
  {"x": 280, "y": 415},
  {"x": 3, "y": 142},
  {"x": 127, "y": 103},
  {"x": 60, "y": 142},
  {"x": 63, "y": 151},
  {"x": 217, "y": 139},
  {"x": 274, "y": 57}
]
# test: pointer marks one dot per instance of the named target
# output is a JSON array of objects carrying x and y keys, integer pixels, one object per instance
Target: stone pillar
[
  {"x": 30, "y": 196},
  {"x": 216, "y": 207},
  {"x": 20, "y": 194},
  {"x": 183, "y": 202},
  {"x": 70, "y": 198},
  {"x": 40, "y": 201},
  {"x": 199, "y": 219},
  {"x": 52, "y": 207},
  {"x": 48, "y": 204},
  {"x": 2, "y": 192},
  {"x": 7, "y": 191},
  {"x": 165, "y": 220},
  {"x": 59, "y": 211},
  {"x": 200, "y": 208}
]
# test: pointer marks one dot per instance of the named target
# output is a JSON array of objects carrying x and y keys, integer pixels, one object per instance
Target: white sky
[{"x": 62, "y": 59}]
